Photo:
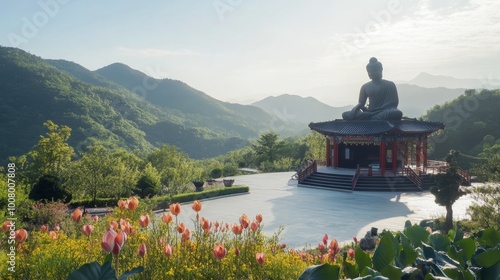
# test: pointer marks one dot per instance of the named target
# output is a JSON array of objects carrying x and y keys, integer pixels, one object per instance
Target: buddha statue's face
[{"x": 375, "y": 72}]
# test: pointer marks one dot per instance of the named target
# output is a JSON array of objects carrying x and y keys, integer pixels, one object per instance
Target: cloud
[{"x": 154, "y": 52}]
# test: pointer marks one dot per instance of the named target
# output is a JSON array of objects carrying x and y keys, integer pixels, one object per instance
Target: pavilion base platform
[{"x": 341, "y": 179}]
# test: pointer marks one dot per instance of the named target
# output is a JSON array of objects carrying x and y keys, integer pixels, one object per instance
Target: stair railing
[
  {"x": 356, "y": 177},
  {"x": 312, "y": 167},
  {"x": 465, "y": 175},
  {"x": 413, "y": 176}
]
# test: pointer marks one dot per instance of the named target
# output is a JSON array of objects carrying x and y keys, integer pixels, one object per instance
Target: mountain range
[{"x": 117, "y": 106}]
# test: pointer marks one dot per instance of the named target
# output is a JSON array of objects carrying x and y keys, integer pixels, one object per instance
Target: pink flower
[
  {"x": 44, "y": 228},
  {"x": 244, "y": 221},
  {"x": 258, "y": 217},
  {"x": 351, "y": 253},
  {"x": 166, "y": 218},
  {"x": 219, "y": 252},
  {"x": 21, "y": 235},
  {"x": 113, "y": 242},
  {"x": 168, "y": 250},
  {"x": 260, "y": 258},
  {"x": 95, "y": 218},
  {"x": 186, "y": 235},
  {"x": 325, "y": 239},
  {"x": 142, "y": 250},
  {"x": 254, "y": 226},
  {"x": 144, "y": 220},
  {"x": 87, "y": 229},
  {"x": 77, "y": 215}
]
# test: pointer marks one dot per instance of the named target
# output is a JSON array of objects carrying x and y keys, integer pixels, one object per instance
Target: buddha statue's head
[{"x": 374, "y": 69}]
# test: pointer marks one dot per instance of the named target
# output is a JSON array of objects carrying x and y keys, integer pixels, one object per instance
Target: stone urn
[{"x": 228, "y": 182}]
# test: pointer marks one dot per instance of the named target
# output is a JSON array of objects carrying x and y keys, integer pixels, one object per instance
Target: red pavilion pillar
[
  {"x": 418, "y": 151},
  {"x": 328, "y": 152},
  {"x": 395, "y": 156},
  {"x": 424, "y": 153},
  {"x": 382, "y": 156},
  {"x": 335, "y": 152},
  {"x": 405, "y": 159}
]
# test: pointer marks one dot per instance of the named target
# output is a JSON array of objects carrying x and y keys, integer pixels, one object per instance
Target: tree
[
  {"x": 267, "y": 147},
  {"x": 102, "y": 174},
  {"x": 149, "y": 183},
  {"x": 176, "y": 168},
  {"x": 448, "y": 189},
  {"x": 316, "y": 146},
  {"x": 49, "y": 188},
  {"x": 50, "y": 156}
]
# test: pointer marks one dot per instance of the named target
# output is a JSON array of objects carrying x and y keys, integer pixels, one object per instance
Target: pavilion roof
[{"x": 376, "y": 127}]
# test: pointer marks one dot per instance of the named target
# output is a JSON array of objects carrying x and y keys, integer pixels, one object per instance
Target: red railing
[
  {"x": 356, "y": 177},
  {"x": 465, "y": 175},
  {"x": 308, "y": 171},
  {"x": 413, "y": 176}
]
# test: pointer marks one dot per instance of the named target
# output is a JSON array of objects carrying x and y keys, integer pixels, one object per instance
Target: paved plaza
[{"x": 306, "y": 214}]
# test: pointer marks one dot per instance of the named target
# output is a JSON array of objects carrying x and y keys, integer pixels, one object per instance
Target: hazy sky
[{"x": 237, "y": 50}]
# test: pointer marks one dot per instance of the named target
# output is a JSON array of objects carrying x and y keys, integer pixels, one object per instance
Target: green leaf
[
  {"x": 386, "y": 252},
  {"x": 392, "y": 272},
  {"x": 417, "y": 235},
  {"x": 459, "y": 234},
  {"x": 468, "y": 246},
  {"x": 488, "y": 258},
  {"x": 407, "y": 255},
  {"x": 349, "y": 269},
  {"x": 319, "y": 272},
  {"x": 362, "y": 259},
  {"x": 439, "y": 242},
  {"x": 370, "y": 271},
  {"x": 489, "y": 237},
  {"x": 492, "y": 272},
  {"x": 458, "y": 255},
  {"x": 94, "y": 271},
  {"x": 131, "y": 272}
]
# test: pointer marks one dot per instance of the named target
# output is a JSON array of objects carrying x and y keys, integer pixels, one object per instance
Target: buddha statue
[{"x": 378, "y": 99}]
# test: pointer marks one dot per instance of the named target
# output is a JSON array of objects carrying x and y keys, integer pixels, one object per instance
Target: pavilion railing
[
  {"x": 465, "y": 175},
  {"x": 413, "y": 176},
  {"x": 356, "y": 177},
  {"x": 311, "y": 168}
]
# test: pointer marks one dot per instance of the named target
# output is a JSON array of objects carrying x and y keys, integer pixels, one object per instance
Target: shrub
[
  {"x": 49, "y": 188},
  {"x": 216, "y": 173}
]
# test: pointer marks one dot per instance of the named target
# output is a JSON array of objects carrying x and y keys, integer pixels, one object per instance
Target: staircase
[{"x": 342, "y": 182}]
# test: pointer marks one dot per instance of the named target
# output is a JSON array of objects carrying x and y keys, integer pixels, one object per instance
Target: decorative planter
[
  {"x": 228, "y": 182},
  {"x": 210, "y": 182},
  {"x": 198, "y": 185}
]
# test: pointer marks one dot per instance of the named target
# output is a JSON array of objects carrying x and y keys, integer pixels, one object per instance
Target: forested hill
[
  {"x": 471, "y": 121},
  {"x": 33, "y": 91}
]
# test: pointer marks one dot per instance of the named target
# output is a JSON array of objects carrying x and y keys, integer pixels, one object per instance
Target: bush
[
  {"x": 48, "y": 188},
  {"x": 486, "y": 206},
  {"x": 216, "y": 173}
]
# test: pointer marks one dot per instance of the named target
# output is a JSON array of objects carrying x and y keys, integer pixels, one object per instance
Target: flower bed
[{"x": 131, "y": 240}]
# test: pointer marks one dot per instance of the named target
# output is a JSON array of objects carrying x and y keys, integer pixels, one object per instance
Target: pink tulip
[
  {"x": 325, "y": 239},
  {"x": 44, "y": 228},
  {"x": 168, "y": 250},
  {"x": 186, "y": 235},
  {"x": 77, "y": 215},
  {"x": 95, "y": 218},
  {"x": 254, "y": 226},
  {"x": 87, "y": 229},
  {"x": 351, "y": 253},
  {"x": 20, "y": 235},
  {"x": 260, "y": 258},
  {"x": 244, "y": 221},
  {"x": 113, "y": 242},
  {"x": 144, "y": 220},
  {"x": 6, "y": 226},
  {"x": 142, "y": 250},
  {"x": 258, "y": 217},
  {"x": 166, "y": 218},
  {"x": 219, "y": 252}
]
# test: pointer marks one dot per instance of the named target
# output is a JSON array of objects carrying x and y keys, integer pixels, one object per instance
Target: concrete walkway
[{"x": 307, "y": 214}]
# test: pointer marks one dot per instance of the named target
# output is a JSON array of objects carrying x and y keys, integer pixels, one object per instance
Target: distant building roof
[{"x": 375, "y": 127}]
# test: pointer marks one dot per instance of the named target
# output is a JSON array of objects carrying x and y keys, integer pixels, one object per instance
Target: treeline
[{"x": 53, "y": 170}]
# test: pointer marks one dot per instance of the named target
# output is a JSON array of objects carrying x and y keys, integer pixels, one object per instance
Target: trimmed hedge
[{"x": 163, "y": 202}]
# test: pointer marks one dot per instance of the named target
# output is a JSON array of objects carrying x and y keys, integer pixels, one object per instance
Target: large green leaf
[
  {"x": 320, "y": 272},
  {"x": 392, "y": 272},
  {"x": 349, "y": 269},
  {"x": 406, "y": 256},
  {"x": 417, "y": 235},
  {"x": 458, "y": 255},
  {"x": 492, "y": 272},
  {"x": 439, "y": 242},
  {"x": 468, "y": 246},
  {"x": 131, "y": 272},
  {"x": 370, "y": 271},
  {"x": 94, "y": 271},
  {"x": 489, "y": 237},
  {"x": 362, "y": 259},
  {"x": 488, "y": 258},
  {"x": 386, "y": 252}
]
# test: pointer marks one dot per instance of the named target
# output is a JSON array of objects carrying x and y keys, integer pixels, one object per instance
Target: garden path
[{"x": 307, "y": 214}]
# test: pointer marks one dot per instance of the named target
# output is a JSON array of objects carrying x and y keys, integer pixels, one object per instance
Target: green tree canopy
[
  {"x": 448, "y": 189},
  {"x": 267, "y": 147}
]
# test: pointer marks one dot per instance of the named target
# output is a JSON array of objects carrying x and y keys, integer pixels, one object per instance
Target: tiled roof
[{"x": 375, "y": 127}]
